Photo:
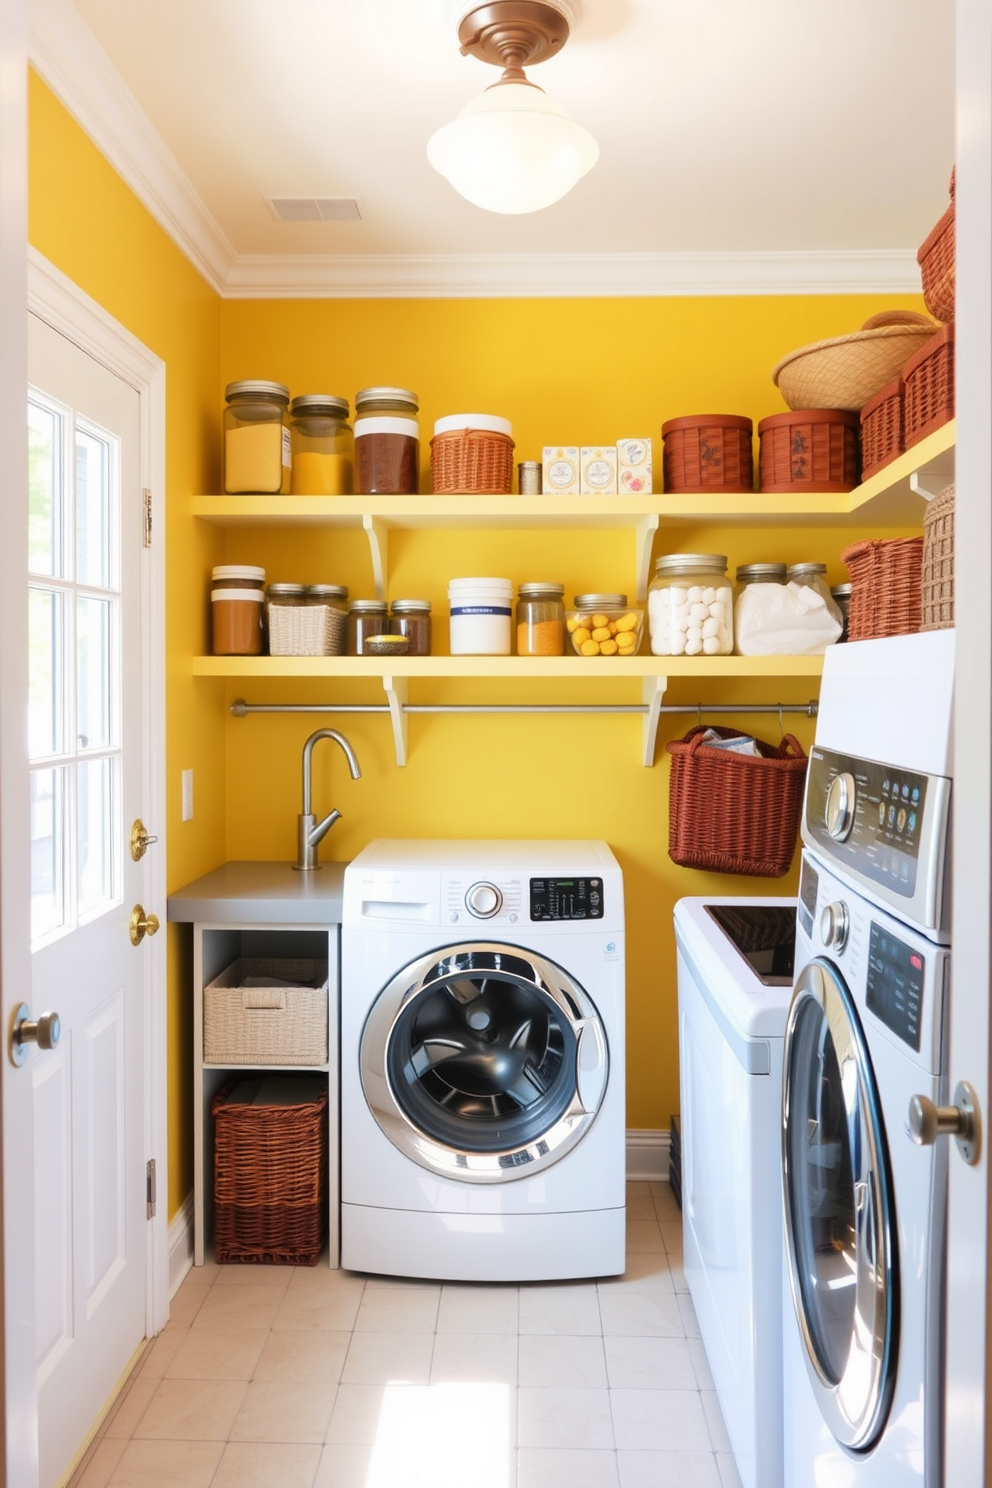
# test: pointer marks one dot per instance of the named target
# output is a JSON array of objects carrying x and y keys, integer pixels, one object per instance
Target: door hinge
[
  {"x": 150, "y": 1188},
  {"x": 146, "y": 497}
]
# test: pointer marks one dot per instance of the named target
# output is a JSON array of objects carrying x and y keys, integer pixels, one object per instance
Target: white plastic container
[{"x": 481, "y": 615}]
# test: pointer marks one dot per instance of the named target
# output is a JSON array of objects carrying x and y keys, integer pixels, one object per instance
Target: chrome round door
[
  {"x": 839, "y": 1217},
  {"x": 483, "y": 1062}
]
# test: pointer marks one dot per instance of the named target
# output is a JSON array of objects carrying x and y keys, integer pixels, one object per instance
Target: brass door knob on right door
[{"x": 141, "y": 924}]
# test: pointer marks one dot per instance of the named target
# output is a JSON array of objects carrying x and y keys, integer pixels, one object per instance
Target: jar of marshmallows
[{"x": 691, "y": 606}]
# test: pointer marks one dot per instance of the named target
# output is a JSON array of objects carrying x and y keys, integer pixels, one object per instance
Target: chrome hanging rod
[{"x": 241, "y": 709}]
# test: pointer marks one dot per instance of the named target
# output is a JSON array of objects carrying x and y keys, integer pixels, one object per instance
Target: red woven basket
[
  {"x": 886, "y": 587},
  {"x": 811, "y": 449},
  {"x": 478, "y": 461},
  {"x": 708, "y": 452},
  {"x": 735, "y": 813},
  {"x": 929, "y": 379},
  {"x": 882, "y": 434},
  {"x": 270, "y": 1178},
  {"x": 936, "y": 261}
]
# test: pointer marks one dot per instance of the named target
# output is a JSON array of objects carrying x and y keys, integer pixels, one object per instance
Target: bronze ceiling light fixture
[{"x": 513, "y": 149}]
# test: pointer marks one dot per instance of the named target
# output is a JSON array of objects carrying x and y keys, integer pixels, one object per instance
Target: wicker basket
[
  {"x": 846, "y": 371},
  {"x": 272, "y": 1024},
  {"x": 936, "y": 261},
  {"x": 708, "y": 452},
  {"x": 937, "y": 597},
  {"x": 929, "y": 378},
  {"x": 270, "y": 1170},
  {"x": 735, "y": 813},
  {"x": 307, "y": 630},
  {"x": 885, "y": 587},
  {"x": 882, "y": 433},
  {"x": 479, "y": 461},
  {"x": 815, "y": 449}
]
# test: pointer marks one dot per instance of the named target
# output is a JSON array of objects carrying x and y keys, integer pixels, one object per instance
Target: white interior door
[{"x": 86, "y": 790}]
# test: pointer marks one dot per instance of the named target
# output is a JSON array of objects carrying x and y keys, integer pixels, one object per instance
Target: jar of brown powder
[
  {"x": 237, "y": 593},
  {"x": 387, "y": 442}
]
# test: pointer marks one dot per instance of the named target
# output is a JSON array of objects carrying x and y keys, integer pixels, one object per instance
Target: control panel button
[
  {"x": 838, "y": 814},
  {"x": 483, "y": 900},
  {"x": 835, "y": 925}
]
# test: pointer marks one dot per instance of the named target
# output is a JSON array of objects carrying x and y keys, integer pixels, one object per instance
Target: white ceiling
[{"x": 763, "y": 130}]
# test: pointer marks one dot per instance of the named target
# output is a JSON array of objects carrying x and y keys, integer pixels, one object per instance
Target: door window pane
[
  {"x": 46, "y": 679},
  {"x": 96, "y": 816},
  {"x": 93, "y": 511},
  {"x": 47, "y": 851},
  {"x": 94, "y": 625},
  {"x": 44, "y": 490}
]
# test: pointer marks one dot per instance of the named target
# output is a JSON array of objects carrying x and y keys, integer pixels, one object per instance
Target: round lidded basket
[
  {"x": 472, "y": 452},
  {"x": 846, "y": 371},
  {"x": 813, "y": 449},
  {"x": 708, "y": 452},
  {"x": 937, "y": 596}
]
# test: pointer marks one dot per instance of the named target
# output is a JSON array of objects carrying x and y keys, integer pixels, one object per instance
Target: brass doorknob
[
  {"x": 141, "y": 924},
  {"x": 45, "y": 1032}
]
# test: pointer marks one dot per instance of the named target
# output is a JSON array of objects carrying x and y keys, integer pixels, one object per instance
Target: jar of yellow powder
[
  {"x": 257, "y": 454},
  {"x": 323, "y": 445}
]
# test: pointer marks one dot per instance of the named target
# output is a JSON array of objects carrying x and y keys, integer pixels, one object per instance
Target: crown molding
[
  {"x": 67, "y": 56},
  {"x": 580, "y": 275}
]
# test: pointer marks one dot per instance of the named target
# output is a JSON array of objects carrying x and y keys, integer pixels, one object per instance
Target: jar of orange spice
[{"x": 541, "y": 619}]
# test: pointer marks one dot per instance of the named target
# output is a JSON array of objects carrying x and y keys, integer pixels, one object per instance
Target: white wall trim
[
  {"x": 647, "y": 1156},
  {"x": 67, "y": 55},
  {"x": 180, "y": 1244},
  {"x": 64, "y": 306}
]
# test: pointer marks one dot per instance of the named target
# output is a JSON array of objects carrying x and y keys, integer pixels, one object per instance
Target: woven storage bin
[
  {"x": 937, "y": 596},
  {"x": 479, "y": 461},
  {"x": 270, "y": 1170},
  {"x": 882, "y": 432},
  {"x": 708, "y": 452},
  {"x": 267, "y": 1025},
  {"x": 929, "y": 379},
  {"x": 735, "y": 813},
  {"x": 814, "y": 449},
  {"x": 936, "y": 261},
  {"x": 846, "y": 371},
  {"x": 307, "y": 630},
  {"x": 885, "y": 587}
]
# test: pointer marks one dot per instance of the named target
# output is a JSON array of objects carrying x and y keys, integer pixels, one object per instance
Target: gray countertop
[{"x": 254, "y": 893}]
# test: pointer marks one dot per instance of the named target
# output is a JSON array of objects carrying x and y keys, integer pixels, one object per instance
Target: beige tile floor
[{"x": 281, "y": 1377}]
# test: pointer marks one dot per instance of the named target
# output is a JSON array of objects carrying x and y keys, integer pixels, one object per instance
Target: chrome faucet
[{"x": 311, "y": 832}]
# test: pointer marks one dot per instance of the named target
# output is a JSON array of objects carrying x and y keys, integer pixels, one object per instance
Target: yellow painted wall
[
  {"x": 86, "y": 221},
  {"x": 564, "y": 370}
]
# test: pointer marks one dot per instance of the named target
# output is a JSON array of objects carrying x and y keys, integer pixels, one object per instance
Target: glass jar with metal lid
[
  {"x": 603, "y": 625},
  {"x": 366, "y": 617},
  {"x": 756, "y": 606},
  {"x": 323, "y": 445},
  {"x": 387, "y": 441},
  {"x": 841, "y": 595},
  {"x": 257, "y": 446},
  {"x": 541, "y": 619},
  {"x": 690, "y": 606},
  {"x": 814, "y": 576},
  {"x": 412, "y": 618},
  {"x": 237, "y": 592}
]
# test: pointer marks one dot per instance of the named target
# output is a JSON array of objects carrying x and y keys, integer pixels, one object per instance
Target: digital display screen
[
  {"x": 566, "y": 898},
  {"x": 895, "y": 984},
  {"x": 884, "y": 840}
]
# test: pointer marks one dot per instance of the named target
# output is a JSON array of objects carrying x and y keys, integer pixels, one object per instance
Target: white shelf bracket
[
  {"x": 652, "y": 693},
  {"x": 916, "y": 483},
  {"x": 378, "y": 535},
  {"x": 397, "y": 691},
  {"x": 643, "y": 538}
]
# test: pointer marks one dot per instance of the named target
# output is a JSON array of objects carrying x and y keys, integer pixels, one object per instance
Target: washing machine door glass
[
  {"x": 839, "y": 1216},
  {"x": 484, "y": 1062}
]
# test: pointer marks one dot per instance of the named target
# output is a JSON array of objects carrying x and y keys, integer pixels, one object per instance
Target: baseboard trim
[
  {"x": 180, "y": 1244},
  {"x": 647, "y": 1156}
]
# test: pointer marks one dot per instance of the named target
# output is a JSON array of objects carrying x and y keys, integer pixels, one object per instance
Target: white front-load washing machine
[{"x": 482, "y": 1060}]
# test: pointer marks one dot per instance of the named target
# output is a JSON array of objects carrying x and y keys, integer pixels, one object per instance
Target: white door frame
[{"x": 55, "y": 299}]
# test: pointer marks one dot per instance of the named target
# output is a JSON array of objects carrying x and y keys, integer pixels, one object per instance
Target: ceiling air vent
[{"x": 315, "y": 208}]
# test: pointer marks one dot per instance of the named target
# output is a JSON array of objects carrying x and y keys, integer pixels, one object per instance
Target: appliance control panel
[
  {"x": 894, "y": 984},
  {"x": 496, "y": 900},
  {"x": 883, "y": 827},
  {"x": 566, "y": 898}
]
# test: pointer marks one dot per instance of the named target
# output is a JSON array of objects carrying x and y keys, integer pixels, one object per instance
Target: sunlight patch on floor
[{"x": 432, "y": 1436}]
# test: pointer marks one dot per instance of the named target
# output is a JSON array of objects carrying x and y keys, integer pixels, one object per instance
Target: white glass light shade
[{"x": 512, "y": 149}]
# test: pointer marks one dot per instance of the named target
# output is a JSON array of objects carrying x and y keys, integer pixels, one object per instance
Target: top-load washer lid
[
  {"x": 754, "y": 1003},
  {"x": 484, "y": 1062},
  {"x": 764, "y": 935}
]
